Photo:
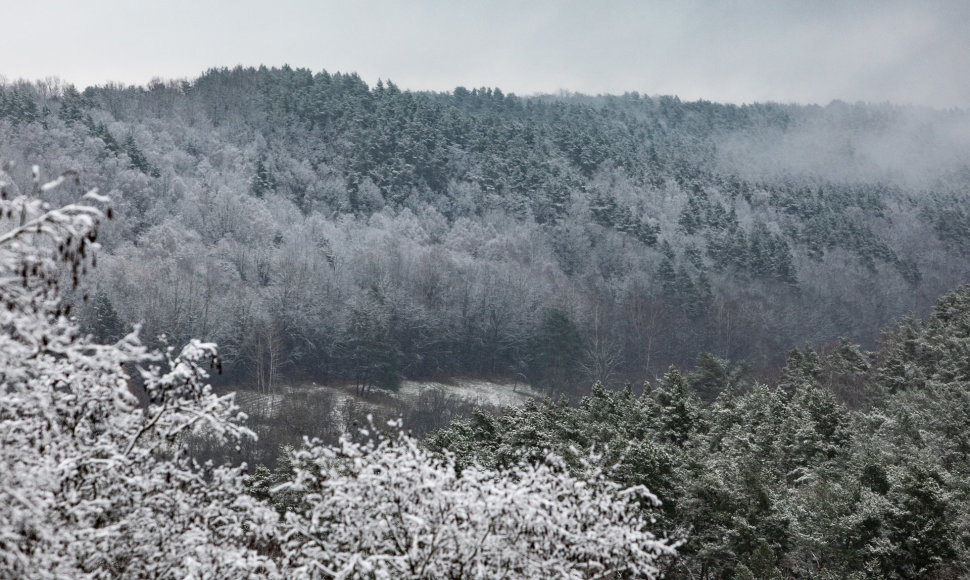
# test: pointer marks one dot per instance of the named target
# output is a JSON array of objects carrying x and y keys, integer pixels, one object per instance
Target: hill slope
[{"x": 322, "y": 229}]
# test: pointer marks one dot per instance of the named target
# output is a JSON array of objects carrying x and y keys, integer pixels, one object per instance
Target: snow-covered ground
[
  {"x": 474, "y": 391},
  {"x": 479, "y": 392}
]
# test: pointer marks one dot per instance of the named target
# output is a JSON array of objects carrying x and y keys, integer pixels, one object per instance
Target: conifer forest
[{"x": 734, "y": 339}]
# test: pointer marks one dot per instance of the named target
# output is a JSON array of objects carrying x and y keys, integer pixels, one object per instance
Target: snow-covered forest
[
  {"x": 757, "y": 273},
  {"x": 317, "y": 228}
]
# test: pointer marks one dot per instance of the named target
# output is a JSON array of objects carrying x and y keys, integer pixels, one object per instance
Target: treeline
[
  {"x": 852, "y": 465},
  {"x": 340, "y": 232}
]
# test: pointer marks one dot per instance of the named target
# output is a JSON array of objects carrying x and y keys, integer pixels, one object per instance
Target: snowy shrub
[
  {"x": 93, "y": 484},
  {"x": 390, "y": 509}
]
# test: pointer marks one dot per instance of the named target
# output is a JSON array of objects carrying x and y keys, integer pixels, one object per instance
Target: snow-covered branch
[
  {"x": 391, "y": 509},
  {"x": 95, "y": 485}
]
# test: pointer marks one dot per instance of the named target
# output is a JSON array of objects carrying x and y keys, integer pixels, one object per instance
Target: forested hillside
[{"x": 318, "y": 228}]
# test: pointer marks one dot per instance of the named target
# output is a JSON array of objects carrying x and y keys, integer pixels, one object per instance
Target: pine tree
[
  {"x": 137, "y": 158},
  {"x": 264, "y": 181},
  {"x": 104, "y": 323}
]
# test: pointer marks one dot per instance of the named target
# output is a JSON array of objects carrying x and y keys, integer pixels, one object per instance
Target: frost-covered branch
[
  {"x": 391, "y": 509},
  {"x": 95, "y": 486}
]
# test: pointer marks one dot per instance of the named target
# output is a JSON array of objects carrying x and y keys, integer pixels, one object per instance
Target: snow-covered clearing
[{"x": 477, "y": 391}]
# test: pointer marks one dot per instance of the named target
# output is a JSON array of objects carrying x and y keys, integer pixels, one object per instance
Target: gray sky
[{"x": 802, "y": 51}]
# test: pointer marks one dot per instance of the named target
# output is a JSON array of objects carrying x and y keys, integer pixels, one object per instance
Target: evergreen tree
[
  {"x": 137, "y": 158},
  {"x": 103, "y": 322},
  {"x": 264, "y": 181},
  {"x": 558, "y": 352}
]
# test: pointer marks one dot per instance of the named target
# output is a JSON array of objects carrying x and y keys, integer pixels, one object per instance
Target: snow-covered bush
[
  {"x": 390, "y": 509},
  {"x": 92, "y": 483}
]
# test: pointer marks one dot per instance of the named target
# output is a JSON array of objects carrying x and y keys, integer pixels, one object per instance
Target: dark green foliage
[
  {"x": 712, "y": 376},
  {"x": 262, "y": 483},
  {"x": 758, "y": 254},
  {"x": 691, "y": 294},
  {"x": 110, "y": 144},
  {"x": 625, "y": 427},
  {"x": 666, "y": 274},
  {"x": 370, "y": 353},
  {"x": 763, "y": 562},
  {"x": 263, "y": 182},
  {"x": 829, "y": 217},
  {"x": 608, "y": 213},
  {"x": 769, "y": 256},
  {"x": 73, "y": 106},
  {"x": 558, "y": 352},
  {"x": 102, "y": 320},
  {"x": 17, "y": 104},
  {"x": 137, "y": 158},
  {"x": 786, "y": 481},
  {"x": 912, "y": 357},
  {"x": 952, "y": 223},
  {"x": 678, "y": 410}
]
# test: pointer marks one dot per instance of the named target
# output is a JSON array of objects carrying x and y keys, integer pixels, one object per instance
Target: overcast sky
[{"x": 802, "y": 51}]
